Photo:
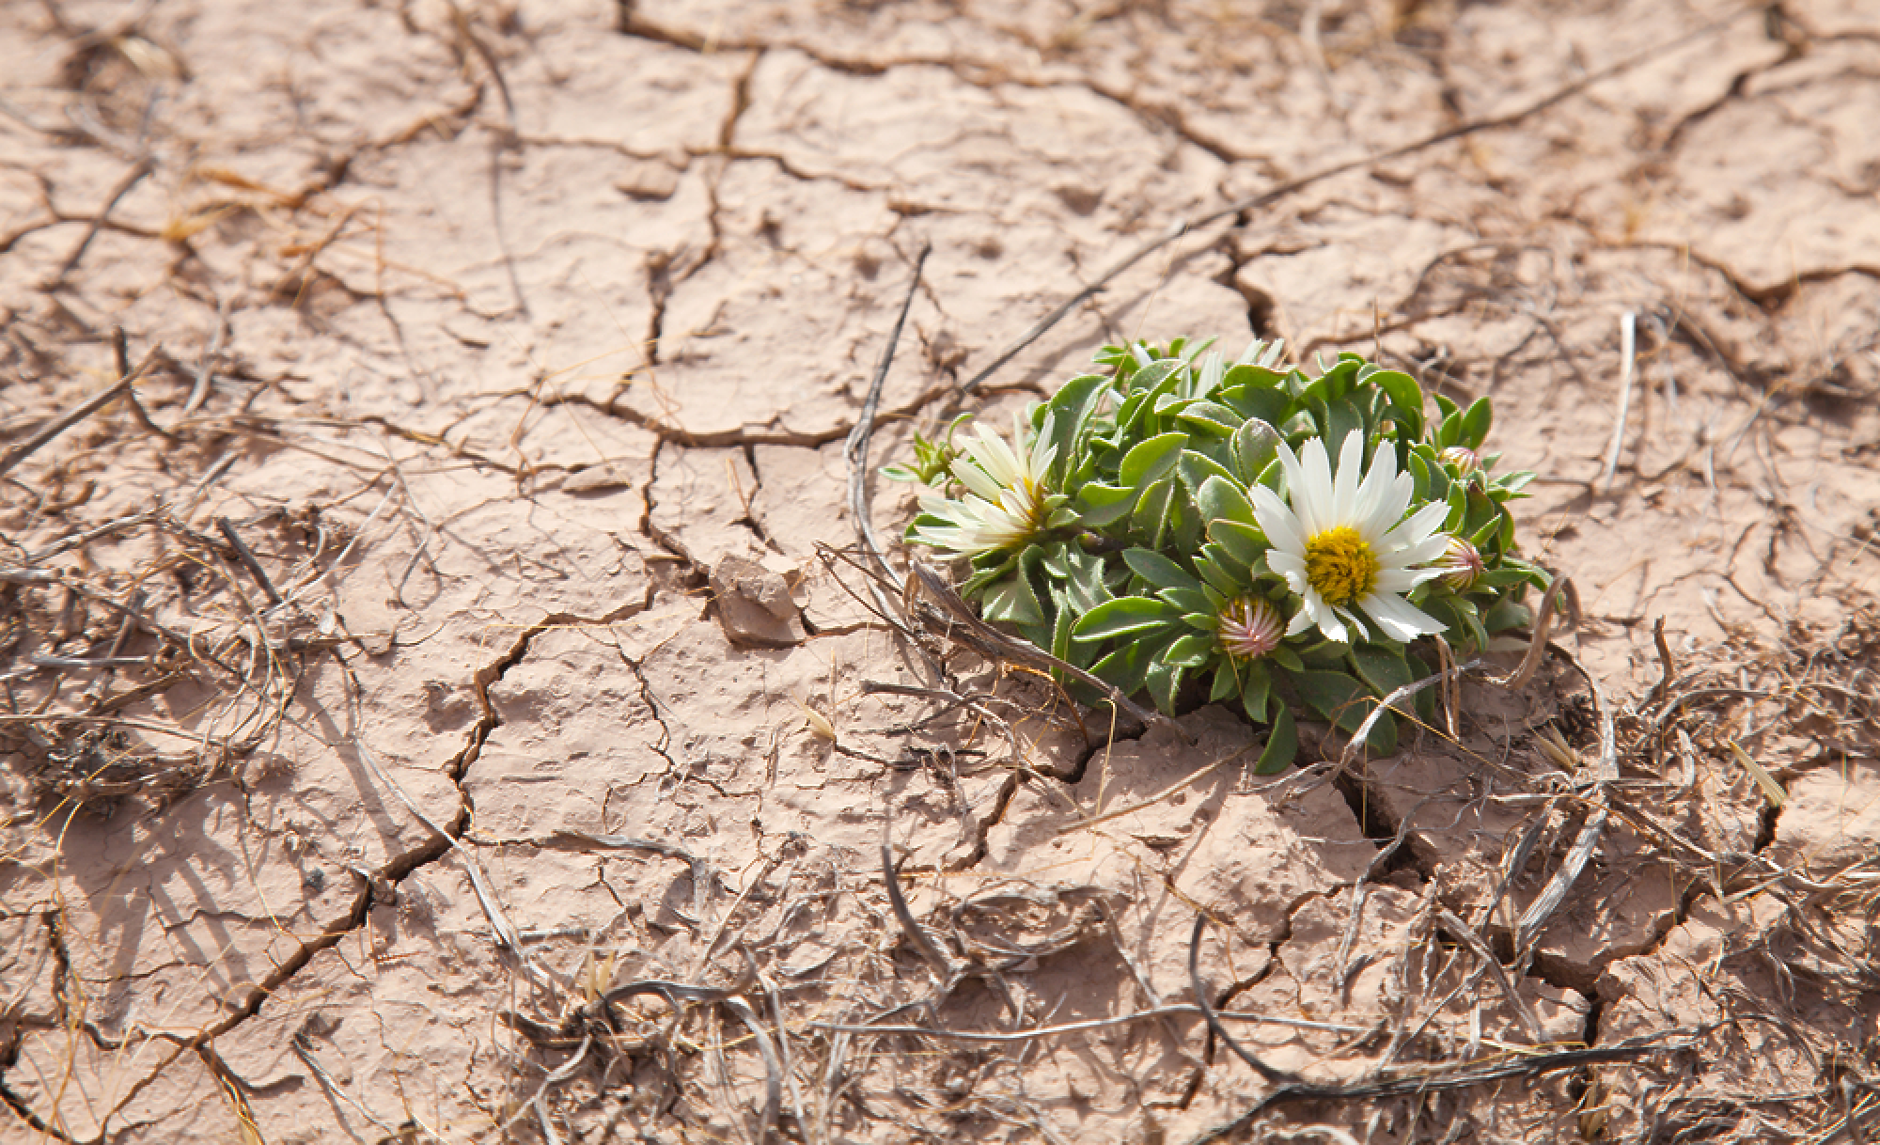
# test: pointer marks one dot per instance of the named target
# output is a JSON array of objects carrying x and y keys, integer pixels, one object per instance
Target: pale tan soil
[{"x": 518, "y": 342}]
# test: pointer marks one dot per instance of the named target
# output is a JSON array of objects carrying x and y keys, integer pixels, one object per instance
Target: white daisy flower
[
  {"x": 1006, "y": 503},
  {"x": 1344, "y": 543}
]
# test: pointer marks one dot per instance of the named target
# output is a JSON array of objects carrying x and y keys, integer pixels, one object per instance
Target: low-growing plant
[{"x": 1175, "y": 523}]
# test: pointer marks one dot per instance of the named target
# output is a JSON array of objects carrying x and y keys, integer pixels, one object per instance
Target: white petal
[
  {"x": 1345, "y": 483},
  {"x": 1428, "y": 549},
  {"x": 1301, "y": 621},
  {"x": 1322, "y": 615},
  {"x": 1398, "y": 618},
  {"x": 1415, "y": 530},
  {"x": 1383, "y": 514},
  {"x": 1289, "y": 565},
  {"x": 978, "y": 480},
  {"x": 1277, "y": 521},
  {"x": 1312, "y": 500},
  {"x": 1295, "y": 483},
  {"x": 1042, "y": 451},
  {"x": 1403, "y": 580},
  {"x": 1378, "y": 486},
  {"x": 1351, "y": 618}
]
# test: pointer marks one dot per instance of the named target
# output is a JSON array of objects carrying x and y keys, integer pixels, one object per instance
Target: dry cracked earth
[{"x": 434, "y": 704}]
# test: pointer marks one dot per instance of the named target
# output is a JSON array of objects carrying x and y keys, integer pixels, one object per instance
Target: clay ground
[{"x": 426, "y": 712}]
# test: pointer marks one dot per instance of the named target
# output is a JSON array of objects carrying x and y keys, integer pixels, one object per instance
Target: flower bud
[
  {"x": 1249, "y": 628},
  {"x": 1461, "y": 564},
  {"x": 1462, "y": 458}
]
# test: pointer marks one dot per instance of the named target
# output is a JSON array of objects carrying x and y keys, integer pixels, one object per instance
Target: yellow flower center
[{"x": 1340, "y": 565}]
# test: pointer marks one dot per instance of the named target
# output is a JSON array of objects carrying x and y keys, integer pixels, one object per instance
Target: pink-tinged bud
[
  {"x": 1249, "y": 628},
  {"x": 1461, "y": 564},
  {"x": 1462, "y": 457}
]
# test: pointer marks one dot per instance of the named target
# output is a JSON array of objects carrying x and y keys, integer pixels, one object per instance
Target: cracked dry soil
[{"x": 426, "y": 713}]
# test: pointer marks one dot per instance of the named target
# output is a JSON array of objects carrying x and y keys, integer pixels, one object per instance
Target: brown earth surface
[{"x": 430, "y": 712}]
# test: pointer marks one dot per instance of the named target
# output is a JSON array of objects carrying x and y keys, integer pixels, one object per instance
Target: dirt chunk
[{"x": 754, "y": 604}]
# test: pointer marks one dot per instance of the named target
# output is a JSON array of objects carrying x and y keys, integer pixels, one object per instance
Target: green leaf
[
  {"x": 1450, "y": 431},
  {"x": 1384, "y": 669},
  {"x": 1084, "y": 579},
  {"x": 1128, "y": 666},
  {"x": 1211, "y": 418},
  {"x": 1287, "y": 659},
  {"x": 1190, "y": 651},
  {"x": 1282, "y": 744},
  {"x": 1156, "y": 376},
  {"x": 1507, "y": 614},
  {"x": 1151, "y": 460},
  {"x": 1061, "y": 632},
  {"x": 1151, "y": 518},
  {"x": 1125, "y": 615},
  {"x": 1191, "y": 601},
  {"x": 1458, "y": 509},
  {"x": 1223, "y": 499},
  {"x": 1475, "y": 422},
  {"x": 1163, "y": 681},
  {"x": 1071, "y": 408},
  {"x": 1256, "y": 685},
  {"x": 1158, "y": 570},
  {"x": 1099, "y": 504},
  {"x": 1406, "y": 398},
  {"x": 1226, "y": 684},
  {"x": 1343, "y": 700},
  {"x": 1419, "y": 471},
  {"x": 1252, "y": 377},
  {"x": 1256, "y": 444},
  {"x": 1245, "y": 543},
  {"x": 1340, "y": 417},
  {"x": 1012, "y": 601},
  {"x": 1227, "y": 567},
  {"x": 1197, "y": 467},
  {"x": 1264, "y": 403}
]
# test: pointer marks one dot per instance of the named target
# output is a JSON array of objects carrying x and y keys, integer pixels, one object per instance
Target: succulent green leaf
[
  {"x": 1287, "y": 659},
  {"x": 1151, "y": 460},
  {"x": 1256, "y": 686},
  {"x": 1210, "y": 418},
  {"x": 1226, "y": 684},
  {"x": 1191, "y": 651},
  {"x": 1282, "y": 744},
  {"x": 1256, "y": 444},
  {"x": 1223, "y": 499},
  {"x": 1099, "y": 504},
  {"x": 1265, "y": 403},
  {"x": 1196, "y": 468},
  {"x": 1158, "y": 570},
  {"x": 1012, "y": 601},
  {"x": 1192, "y": 601},
  {"x": 1245, "y": 543},
  {"x": 1071, "y": 409},
  {"x": 1476, "y": 421},
  {"x": 1338, "y": 696},
  {"x": 1125, "y": 616},
  {"x": 1406, "y": 397},
  {"x": 1383, "y": 668},
  {"x": 1163, "y": 681}
]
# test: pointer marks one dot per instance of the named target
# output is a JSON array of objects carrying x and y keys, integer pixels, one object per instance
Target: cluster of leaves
[{"x": 1143, "y": 541}]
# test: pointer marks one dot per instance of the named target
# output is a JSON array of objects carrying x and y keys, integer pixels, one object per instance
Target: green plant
[{"x": 1175, "y": 520}]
